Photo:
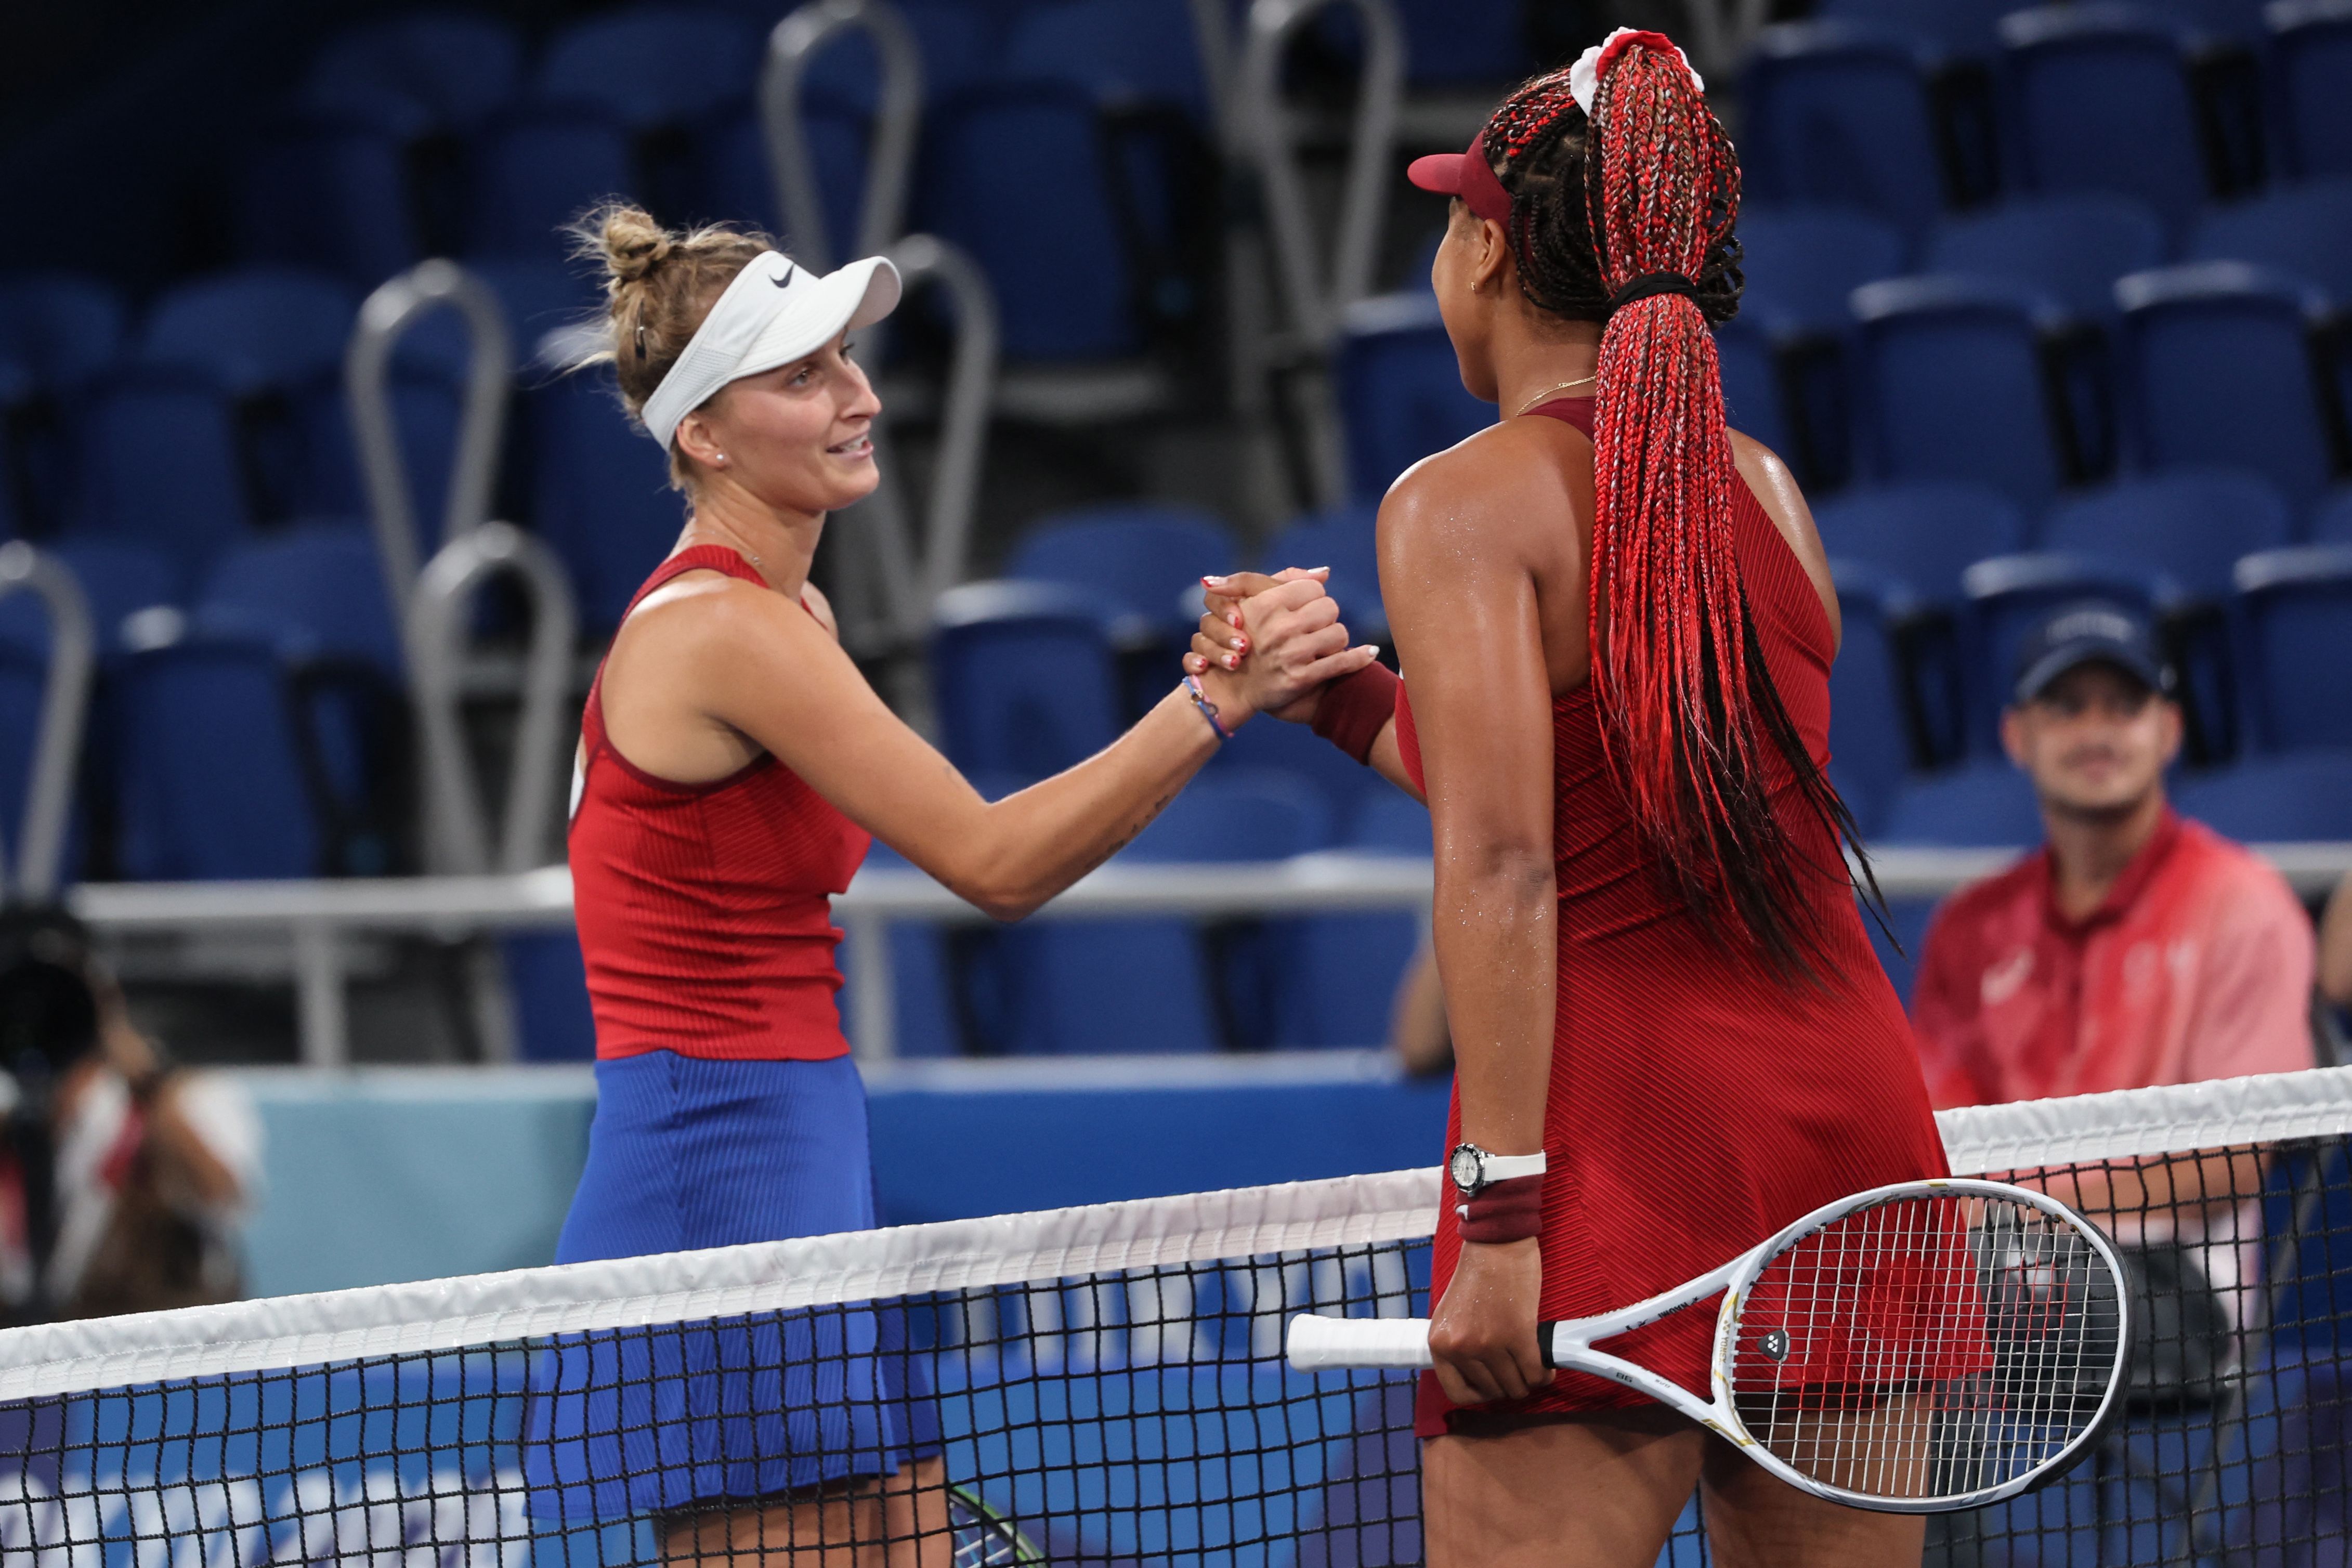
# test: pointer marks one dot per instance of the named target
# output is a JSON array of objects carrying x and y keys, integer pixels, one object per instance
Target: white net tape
[{"x": 1399, "y": 1206}]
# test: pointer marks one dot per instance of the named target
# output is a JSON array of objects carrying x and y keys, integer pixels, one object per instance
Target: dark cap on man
[{"x": 2089, "y": 631}]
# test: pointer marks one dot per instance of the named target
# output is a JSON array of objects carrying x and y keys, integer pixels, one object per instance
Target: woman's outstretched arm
[{"x": 760, "y": 665}]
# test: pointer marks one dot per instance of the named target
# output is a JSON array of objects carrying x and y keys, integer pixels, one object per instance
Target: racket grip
[{"x": 1318, "y": 1342}]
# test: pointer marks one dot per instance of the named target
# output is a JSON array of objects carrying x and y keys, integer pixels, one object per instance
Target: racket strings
[{"x": 1927, "y": 1346}]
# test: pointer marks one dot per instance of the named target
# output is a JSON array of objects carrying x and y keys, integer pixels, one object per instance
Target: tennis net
[{"x": 1105, "y": 1385}]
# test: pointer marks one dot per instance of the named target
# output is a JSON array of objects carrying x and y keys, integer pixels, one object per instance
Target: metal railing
[
  {"x": 792, "y": 47},
  {"x": 65, "y": 709},
  {"x": 879, "y": 898},
  {"x": 386, "y": 318}
]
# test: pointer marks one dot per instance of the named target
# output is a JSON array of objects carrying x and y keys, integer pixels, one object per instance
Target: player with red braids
[{"x": 1671, "y": 1034}]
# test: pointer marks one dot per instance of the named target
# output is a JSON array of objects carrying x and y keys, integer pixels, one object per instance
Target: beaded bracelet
[{"x": 1208, "y": 709}]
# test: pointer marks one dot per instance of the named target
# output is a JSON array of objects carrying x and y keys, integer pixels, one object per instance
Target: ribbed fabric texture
[
  {"x": 702, "y": 908},
  {"x": 1698, "y": 1102},
  {"x": 689, "y": 1152}
]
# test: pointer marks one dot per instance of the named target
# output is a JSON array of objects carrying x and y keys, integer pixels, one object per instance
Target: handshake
[{"x": 1271, "y": 644}]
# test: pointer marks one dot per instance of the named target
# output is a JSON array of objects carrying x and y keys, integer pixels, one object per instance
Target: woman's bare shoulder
[
  {"x": 1508, "y": 481},
  {"x": 1776, "y": 490}
]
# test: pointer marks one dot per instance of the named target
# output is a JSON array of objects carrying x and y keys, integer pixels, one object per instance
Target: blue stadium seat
[
  {"x": 2190, "y": 524},
  {"x": 1120, "y": 50},
  {"x": 1803, "y": 264},
  {"x": 1983, "y": 804},
  {"x": 456, "y": 67},
  {"x": 58, "y": 332},
  {"x": 2303, "y": 798},
  {"x": 1346, "y": 539},
  {"x": 2294, "y": 610},
  {"x": 1266, "y": 747},
  {"x": 332, "y": 191},
  {"x": 924, "y": 1020},
  {"x": 1347, "y": 968},
  {"x": 1759, "y": 400},
  {"x": 1446, "y": 42},
  {"x": 549, "y": 985},
  {"x": 1135, "y": 561},
  {"x": 2311, "y": 69},
  {"x": 2070, "y": 247},
  {"x": 156, "y": 463},
  {"x": 119, "y": 579},
  {"x": 257, "y": 330},
  {"x": 1157, "y": 985},
  {"x": 536, "y": 171},
  {"x": 2332, "y": 523},
  {"x": 739, "y": 186},
  {"x": 2303, "y": 231},
  {"x": 2008, "y": 594},
  {"x": 1019, "y": 175},
  {"x": 313, "y": 592},
  {"x": 1871, "y": 724},
  {"x": 1400, "y": 389},
  {"x": 62, "y": 328},
  {"x": 2218, "y": 371},
  {"x": 1924, "y": 535},
  {"x": 1905, "y": 924},
  {"x": 1838, "y": 115},
  {"x": 600, "y": 493},
  {"x": 1964, "y": 28},
  {"x": 650, "y": 66},
  {"x": 1958, "y": 372},
  {"x": 2099, "y": 100},
  {"x": 989, "y": 641}
]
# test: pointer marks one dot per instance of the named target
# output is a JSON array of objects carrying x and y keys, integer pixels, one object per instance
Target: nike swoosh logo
[{"x": 787, "y": 278}]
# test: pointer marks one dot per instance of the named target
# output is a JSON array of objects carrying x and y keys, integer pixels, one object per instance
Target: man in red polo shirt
[{"x": 2137, "y": 947}]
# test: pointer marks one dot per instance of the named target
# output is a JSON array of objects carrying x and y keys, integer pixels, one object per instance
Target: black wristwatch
[{"x": 1474, "y": 1170}]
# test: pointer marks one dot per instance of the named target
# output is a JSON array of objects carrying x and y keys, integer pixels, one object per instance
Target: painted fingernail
[
  {"x": 1233, "y": 661},
  {"x": 1213, "y": 582}
]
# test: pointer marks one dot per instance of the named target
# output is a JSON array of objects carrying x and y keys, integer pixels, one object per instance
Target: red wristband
[
  {"x": 1353, "y": 707},
  {"x": 1508, "y": 1211}
]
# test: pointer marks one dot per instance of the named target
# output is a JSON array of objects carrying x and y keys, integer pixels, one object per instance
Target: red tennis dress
[
  {"x": 1698, "y": 1102},
  {"x": 704, "y": 919}
]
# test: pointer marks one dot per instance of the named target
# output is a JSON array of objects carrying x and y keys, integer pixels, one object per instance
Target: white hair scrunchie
[{"x": 1584, "y": 76}]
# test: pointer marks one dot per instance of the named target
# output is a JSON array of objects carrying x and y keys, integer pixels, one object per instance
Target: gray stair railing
[
  {"x": 386, "y": 317},
  {"x": 65, "y": 709},
  {"x": 457, "y": 833},
  {"x": 792, "y": 46}
]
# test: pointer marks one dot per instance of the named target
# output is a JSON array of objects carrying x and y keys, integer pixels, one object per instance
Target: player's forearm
[
  {"x": 1033, "y": 845},
  {"x": 1495, "y": 927}
]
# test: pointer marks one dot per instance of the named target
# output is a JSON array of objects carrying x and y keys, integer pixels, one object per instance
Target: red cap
[{"x": 1467, "y": 175}]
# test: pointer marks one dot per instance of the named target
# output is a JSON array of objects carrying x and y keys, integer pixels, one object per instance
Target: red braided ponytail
[{"x": 1689, "y": 712}]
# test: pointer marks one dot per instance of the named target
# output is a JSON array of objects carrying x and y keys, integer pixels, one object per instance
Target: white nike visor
[{"x": 775, "y": 312}]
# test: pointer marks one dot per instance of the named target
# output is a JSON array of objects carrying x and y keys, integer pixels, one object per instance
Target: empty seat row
[{"x": 1890, "y": 108}]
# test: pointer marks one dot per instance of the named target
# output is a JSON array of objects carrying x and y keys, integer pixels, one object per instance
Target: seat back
[
  {"x": 329, "y": 192},
  {"x": 1802, "y": 263},
  {"x": 2099, "y": 100},
  {"x": 1118, "y": 51},
  {"x": 2332, "y": 523},
  {"x": 600, "y": 493},
  {"x": 2192, "y": 525},
  {"x": 1870, "y": 729},
  {"x": 2218, "y": 372},
  {"x": 2304, "y": 798},
  {"x": 1346, "y": 539},
  {"x": 1138, "y": 560},
  {"x": 2303, "y": 231},
  {"x": 1959, "y": 385},
  {"x": 257, "y": 330},
  {"x": 455, "y": 68},
  {"x": 159, "y": 465},
  {"x": 1987, "y": 803},
  {"x": 535, "y": 171},
  {"x": 1967, "y": 28},
  {"x": 2311, "y": 62},
  {"x": 650, "y": 66},
  {"x": 2072, "y": 246},
  {"x": 62, "y": 329},
  {"x": 1922, "y": 535},
  {"x": 1838, "y": 115},
  {"x": 1400, "y": 389},
  {"x": 989, "y": 644},
  {"x": 211, "y": 783},
  {"x": 314, "y": 592},
  {"x": 2294, "y": 621}
]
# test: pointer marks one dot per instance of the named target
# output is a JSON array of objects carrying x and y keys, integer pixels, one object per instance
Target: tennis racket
[
  {"x": 1917, "y": 1348},
  {"x": 984, "y": 1538}
]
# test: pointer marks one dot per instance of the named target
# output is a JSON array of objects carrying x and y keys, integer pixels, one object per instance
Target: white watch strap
[{"x": 1510, "y": 1167}]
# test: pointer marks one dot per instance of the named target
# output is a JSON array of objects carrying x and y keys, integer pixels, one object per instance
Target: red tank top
[
  {"x": 702, "y": 908},
  {"x": 1698, "y": 1102}
]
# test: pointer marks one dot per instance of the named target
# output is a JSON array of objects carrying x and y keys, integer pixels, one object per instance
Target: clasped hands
[{"x": 1272, "y": 642}]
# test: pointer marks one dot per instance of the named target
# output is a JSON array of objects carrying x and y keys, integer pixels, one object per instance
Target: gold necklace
[{"x": 1563, "y": 386}]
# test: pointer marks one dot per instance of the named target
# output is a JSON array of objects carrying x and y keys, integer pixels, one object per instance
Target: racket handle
[{"x": 1317, "y": 1343}]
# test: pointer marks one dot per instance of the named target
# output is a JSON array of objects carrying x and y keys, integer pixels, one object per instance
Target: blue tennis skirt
[{"x": 687, "y": 1153}]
